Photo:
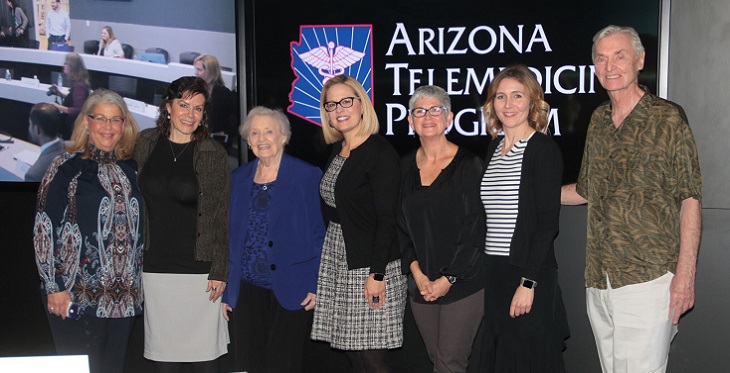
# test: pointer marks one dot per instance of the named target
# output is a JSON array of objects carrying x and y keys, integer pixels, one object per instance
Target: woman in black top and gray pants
[{"x": 441, "y": 226}]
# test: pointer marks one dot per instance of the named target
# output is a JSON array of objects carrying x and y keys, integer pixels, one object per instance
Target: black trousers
[
  {"x": 104, "y": 340},
  {"x": 266, "y": 337}
]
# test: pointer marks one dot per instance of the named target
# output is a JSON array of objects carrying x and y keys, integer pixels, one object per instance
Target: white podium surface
[
  {"x": 45, "y": 364},
  {"x": 18, "y": 91},
  {"x": 9, "y": 170},
  {"x": 134, "y": 68}
]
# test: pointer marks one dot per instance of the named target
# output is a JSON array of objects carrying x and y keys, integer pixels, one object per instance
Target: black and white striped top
[{"x": 499, "y": 193}]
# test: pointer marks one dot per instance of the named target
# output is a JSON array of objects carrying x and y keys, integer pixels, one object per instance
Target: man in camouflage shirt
[{"x": 641, "y": 179}]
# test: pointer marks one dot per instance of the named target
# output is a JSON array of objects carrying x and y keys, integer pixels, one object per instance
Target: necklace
[{"x": 174, "y": 157}]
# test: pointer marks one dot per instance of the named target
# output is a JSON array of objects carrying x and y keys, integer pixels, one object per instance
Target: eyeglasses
[
  {"x": 434, "y": 111},
  {"x": 117, "y": 121},
  {"x": 346, "y": 102}
]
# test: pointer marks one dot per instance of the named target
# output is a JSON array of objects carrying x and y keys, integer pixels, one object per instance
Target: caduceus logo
[{"x": 322, "y": 53}]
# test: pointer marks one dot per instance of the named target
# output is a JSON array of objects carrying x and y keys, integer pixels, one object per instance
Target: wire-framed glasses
[
  {"x": 435, "y": 111},
  {"x": 102, "y": 119}
]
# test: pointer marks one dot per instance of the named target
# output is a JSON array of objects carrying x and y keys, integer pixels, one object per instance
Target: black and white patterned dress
[{"x": 342, "y": 316}]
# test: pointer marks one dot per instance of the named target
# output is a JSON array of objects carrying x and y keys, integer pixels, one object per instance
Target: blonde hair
[
  {"x": 76, "y": 68},
  {"x": 212, "y": 69},
  {"x": 111, "y": 34},
  {"x": 539, "y": 109},
  {"x": 369, "y": 125},
  {"x": 80, "y": 137}
]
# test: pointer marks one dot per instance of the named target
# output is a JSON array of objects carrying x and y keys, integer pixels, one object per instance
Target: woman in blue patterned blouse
[{"x": 88, "y": 237}]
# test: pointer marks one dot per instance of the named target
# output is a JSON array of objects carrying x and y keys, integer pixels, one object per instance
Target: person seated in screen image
[
  {"x": 441, "y": 230},
  {"x": 525, "y": 324},
  {"x": 44, "y": 123},
  {"x": 88, "y": 236},
  {"x": 78, "y": 77},
  {"x": 275, "y": 245},
  {"x": 223, "y": 109},
  {"x": 109, "y": 45}
]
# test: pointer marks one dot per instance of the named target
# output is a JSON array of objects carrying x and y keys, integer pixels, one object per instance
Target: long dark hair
[{"x": 185, "y": 87}]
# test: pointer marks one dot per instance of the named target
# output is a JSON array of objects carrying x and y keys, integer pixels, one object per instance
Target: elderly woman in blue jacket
[{"x": 276, "y": 236}]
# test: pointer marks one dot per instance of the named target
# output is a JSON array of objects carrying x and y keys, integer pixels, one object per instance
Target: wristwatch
[
  {"x": 528, "y": 283},
  {"x": 378, "y": 276},
  {"x": 452, "y": 279}
]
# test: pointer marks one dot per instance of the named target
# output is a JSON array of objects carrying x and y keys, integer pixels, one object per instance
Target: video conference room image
[{"x": 53, "y": 54}]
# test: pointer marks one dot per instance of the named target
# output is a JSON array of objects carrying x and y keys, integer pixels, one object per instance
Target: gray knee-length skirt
[
  {"x": 180, "y": 323},
  {"x": 342, "y": 316}
]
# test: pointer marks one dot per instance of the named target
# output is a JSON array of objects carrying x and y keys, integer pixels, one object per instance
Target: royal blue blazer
[{"x": 296, "y": 230}]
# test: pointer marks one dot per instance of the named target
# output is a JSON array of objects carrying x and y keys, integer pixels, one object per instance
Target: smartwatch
[
  {"x": 528, "y": 283},
  {"x": 452, "y": 279},
  {"x": 378, "y": 276}
]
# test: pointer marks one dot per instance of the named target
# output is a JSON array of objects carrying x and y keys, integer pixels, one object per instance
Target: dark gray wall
[
  {"x": 175, "y": 25},
  {"x": 207, "y": 15},
  {"x": 699, "y": 49}
]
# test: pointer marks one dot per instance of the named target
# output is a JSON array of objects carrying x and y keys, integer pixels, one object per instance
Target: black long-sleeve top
[
  {"x": 442, "y": 225},
  {"x": 210, "y": 163},
  {"x": 538, "y": 214},
  {"x": 366, "y": 196},
  {"x": 171, "y": 192},
  {"x": 223, "y": 111}
]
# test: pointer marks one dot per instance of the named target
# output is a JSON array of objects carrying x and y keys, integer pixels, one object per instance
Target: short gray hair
[
  {"x": 430, "y": 91},
  {"x": 613, "y": 30},
  {"x": 276, "y": 114}
]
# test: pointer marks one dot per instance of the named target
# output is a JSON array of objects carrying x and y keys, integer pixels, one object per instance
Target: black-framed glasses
[
  {"x": 346, "y": 102},
  {"x": 435, "y": 111},
  {"x": 102, "y": 119}
]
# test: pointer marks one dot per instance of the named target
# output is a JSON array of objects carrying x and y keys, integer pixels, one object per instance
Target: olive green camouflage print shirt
[{"x": 635, "y": 178}]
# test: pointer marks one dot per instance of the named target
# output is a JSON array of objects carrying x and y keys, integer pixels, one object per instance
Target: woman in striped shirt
[{"x": 525, "y": 325}]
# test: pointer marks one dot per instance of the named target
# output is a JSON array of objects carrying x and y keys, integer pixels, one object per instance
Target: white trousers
[{"x": 632, "y": 325}]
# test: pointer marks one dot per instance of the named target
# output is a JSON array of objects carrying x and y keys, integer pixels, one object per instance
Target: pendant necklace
[{"x": 174, "y": 157}]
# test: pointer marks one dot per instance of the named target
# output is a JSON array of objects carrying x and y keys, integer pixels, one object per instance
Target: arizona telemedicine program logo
[{"x": 323, "y": 52}]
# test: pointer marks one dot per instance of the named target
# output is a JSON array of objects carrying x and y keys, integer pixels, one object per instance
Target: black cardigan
[
  {"x": 538, "y": 213},
  {"x": 211, "y": 169},
  {"x": 366, "y": 196}
]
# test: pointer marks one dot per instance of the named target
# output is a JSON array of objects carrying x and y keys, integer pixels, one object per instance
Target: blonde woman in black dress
[
  {"x": 360, "y": 290},
  {"x": 524, "y": 315}
]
